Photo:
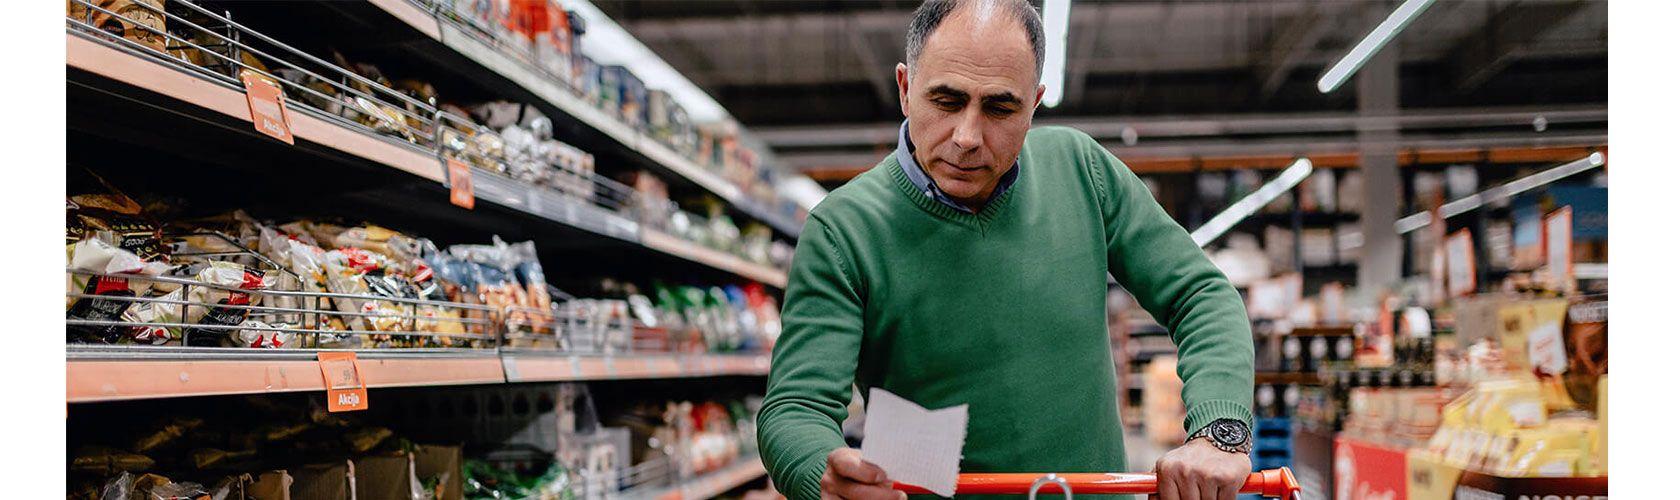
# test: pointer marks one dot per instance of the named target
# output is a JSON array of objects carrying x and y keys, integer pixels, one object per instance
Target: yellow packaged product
[
  {"x": 1601, "y": 439},
  {"x": 1503, "y": 405},
  {"x": 1551, "y": 451}
]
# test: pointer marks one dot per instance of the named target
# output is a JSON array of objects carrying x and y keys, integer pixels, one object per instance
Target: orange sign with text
[
  {"x": 268, "y": 106},
  {"x": 460, "y": 184},
  {"x": 345, "y": 390}
]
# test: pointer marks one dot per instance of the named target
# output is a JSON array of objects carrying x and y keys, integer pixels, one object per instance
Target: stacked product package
[
  {"x": 262, "y": 448},
  {"x": 235, "y": 281},
  {"x": 205, "y": 284}
]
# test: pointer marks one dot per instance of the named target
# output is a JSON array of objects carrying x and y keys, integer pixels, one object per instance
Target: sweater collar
[{"x": 923, "y": 183}]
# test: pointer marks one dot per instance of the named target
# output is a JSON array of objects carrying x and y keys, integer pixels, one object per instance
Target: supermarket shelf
[
  {"x": 490, "y": 58},
  {"x": 1322, "y": 331},
  {"x": 554, "y": 206},
  {"x": 1297, "y": 378},
  {"x": 556, "y": 367},
  {"x": 146, "y": 72},
  {"x": 693, "y": 251},
  {"x": 746, "y": 469},
  {"x": 143, "y": 71},
  {"x": 1309, "y": 219},
  {"x": 113, "y": 373},
  {"x": 1592, "y": 270}
]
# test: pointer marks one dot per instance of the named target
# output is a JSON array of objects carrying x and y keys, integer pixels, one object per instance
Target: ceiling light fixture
[
  {"x": 1460, "y": 206},
  {"x": 1055, "y": 49},
  {"x": 1396, "y": 21},
  {"x": 1219, "y": 224}
]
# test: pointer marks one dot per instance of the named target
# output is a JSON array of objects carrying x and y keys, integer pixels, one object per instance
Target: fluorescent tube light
[
  {"x": 1397, "y": 20},
  {"x": 1219, "y": 224},
  {"x": 1055, "y": 49},
  {"x": 1459, "y": 206}
]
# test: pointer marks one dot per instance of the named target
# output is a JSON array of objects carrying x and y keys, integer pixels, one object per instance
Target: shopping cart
[{"x": 1271, "y": 483}]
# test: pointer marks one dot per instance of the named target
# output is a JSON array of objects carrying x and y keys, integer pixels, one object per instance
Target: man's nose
[{"x": 968, "y": 134}]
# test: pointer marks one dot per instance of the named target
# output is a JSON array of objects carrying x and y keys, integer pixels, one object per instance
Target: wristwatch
[{"x": 1229, "y": 435}]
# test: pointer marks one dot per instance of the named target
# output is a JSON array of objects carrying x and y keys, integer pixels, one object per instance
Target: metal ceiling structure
[{"x": 1157, "y": 79}]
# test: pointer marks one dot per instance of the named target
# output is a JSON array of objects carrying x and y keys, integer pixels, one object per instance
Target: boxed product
[
  {"x": 1350, "y": 243},
  {"x": 383, "y": 477},
  {"x": 270, "y": 485},
  {"x": 1350, "y": 193},
  {"x": 1319, "y": 192},
  {"x": 1280, "y": 247},
  {"x": 329, "y": 481},
  {"x": 1318, "y": 247}
]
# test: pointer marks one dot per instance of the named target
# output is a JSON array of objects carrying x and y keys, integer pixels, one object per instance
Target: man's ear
[
  {"x": 902, "y": 74},
  {"x": 1039, "y": 99}
]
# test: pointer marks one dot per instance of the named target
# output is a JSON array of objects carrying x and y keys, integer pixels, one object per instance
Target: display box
[
  {"x": 270, "y": 485},
  {"x": 330, "y": 481},
  {"x": 1366, "y": 470},
  {"x": 443, "y": 463},
  {"x": 1428, "y": 477},
  {"x": 383, "y": 478}
]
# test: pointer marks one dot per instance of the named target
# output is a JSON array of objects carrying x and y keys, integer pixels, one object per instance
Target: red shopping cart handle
[{"x": 1271, "y": 483}]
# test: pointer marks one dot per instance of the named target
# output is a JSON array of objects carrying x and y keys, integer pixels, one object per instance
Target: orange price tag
[
  {"x": 460, "y": 184},
  {"x": 268, "y": 108},
  {"x": 345, "y": 390}
]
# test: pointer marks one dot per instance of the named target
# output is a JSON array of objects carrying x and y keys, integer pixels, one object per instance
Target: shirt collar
[{"x": 925, "y": 184}]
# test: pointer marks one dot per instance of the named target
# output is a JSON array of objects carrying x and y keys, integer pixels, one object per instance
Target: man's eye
[
  {"x": 999, "y": 110},
  {"x": 948, "y": 104}
]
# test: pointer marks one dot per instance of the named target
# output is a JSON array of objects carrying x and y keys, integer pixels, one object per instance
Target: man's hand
[
  {"x": 1199, "y": 471},
  {"x": 850, "y": 478}
]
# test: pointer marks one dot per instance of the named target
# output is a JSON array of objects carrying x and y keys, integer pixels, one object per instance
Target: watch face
[{"x": 1228, "y": 432}]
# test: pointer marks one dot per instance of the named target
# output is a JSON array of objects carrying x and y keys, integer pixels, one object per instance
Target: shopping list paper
[{"x": 914, "y": 445}]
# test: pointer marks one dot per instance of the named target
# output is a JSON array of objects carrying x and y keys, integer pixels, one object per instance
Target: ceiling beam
[
  {"x": 1079, "y": 61},
  {"x": 1166, "y": 127},
  {"x": 876, "y": 71},
  {"x": 1288, "y": 43},
  {"x": 1483, "y": 53},
  {"x": 1326, "y": 159}
]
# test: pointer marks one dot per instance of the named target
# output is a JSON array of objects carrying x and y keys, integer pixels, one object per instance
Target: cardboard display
[
  {"x": 383, "y": 478},
  {"x": 330, "y": 481},
  {"x": 444, "y": 463},
  {"x": 1367, "y": 471},
  {"x": 270, "y": 485}
]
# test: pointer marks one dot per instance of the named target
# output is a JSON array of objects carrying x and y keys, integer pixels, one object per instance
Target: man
[{"x": 969, "y": 267}]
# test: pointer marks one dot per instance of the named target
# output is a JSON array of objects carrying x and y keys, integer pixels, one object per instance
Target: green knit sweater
[{"x": 1002, "y": 310}]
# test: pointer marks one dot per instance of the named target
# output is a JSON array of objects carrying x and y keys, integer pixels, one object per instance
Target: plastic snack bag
[
  {"x": 528, "y": 270},
  {"x": 223, "y": 308},
  {"x": 138, "y": 20},
  {"x": 96, "y": 255},
  {"x": 256, "y": 334},
  {"x": 109, "y": 461}
]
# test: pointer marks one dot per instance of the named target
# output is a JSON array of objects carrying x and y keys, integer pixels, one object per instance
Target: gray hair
[{"x": 932, "y": 13}]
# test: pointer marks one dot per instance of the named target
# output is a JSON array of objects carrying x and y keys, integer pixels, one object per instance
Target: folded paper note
[{"x": 915, "y": 445}]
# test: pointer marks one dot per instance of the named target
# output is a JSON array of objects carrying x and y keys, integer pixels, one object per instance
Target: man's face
[{"x": 970, "y": 101}]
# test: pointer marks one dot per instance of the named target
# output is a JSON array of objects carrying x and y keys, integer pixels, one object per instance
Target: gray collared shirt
[{"x": 920, "y": 179}]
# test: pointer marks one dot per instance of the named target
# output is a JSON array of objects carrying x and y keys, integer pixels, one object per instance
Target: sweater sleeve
[
  {"x": 1155, "y": 259},
  {"x": 812, "y": 366}
]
